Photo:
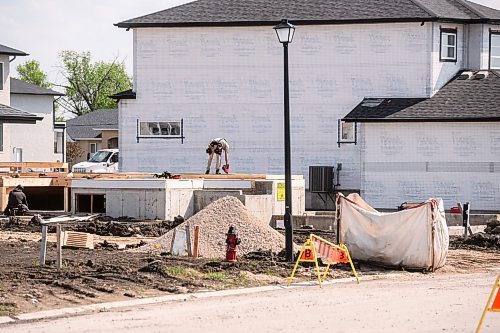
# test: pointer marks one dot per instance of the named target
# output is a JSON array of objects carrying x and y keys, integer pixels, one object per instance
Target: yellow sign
[
  {"x": 281, "y": 192},
  {"x": 315, "y": 247}
]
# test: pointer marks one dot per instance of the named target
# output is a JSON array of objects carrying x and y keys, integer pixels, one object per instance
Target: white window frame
[
  {"x": 145, "y": 134},
  {"x": 2, "y": 69},
  {"x": 347, "y": 132},
  {"x": 496, "y": 35},
  {"x": 95, "y": 148},
  {"x": 444, "y": 46},
  {"x": 56, "y": 132}
]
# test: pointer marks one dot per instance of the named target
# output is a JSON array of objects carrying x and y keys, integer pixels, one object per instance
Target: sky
[{"x": 44, "y": 28}]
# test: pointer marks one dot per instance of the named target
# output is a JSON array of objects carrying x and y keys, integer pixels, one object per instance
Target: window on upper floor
[
  {"x": 58, "y": 141},
  {"x": 1, "y": 75},
  {"x": 495, "y": 50},
  {"x": 448, "y": 51}
]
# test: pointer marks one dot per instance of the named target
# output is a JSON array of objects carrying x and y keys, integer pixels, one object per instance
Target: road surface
[{"x": 420, "y": 303}]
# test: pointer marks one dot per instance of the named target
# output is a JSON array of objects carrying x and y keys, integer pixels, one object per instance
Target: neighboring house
[
  {"x": 214, "y": 68},
  {"x": 28, "y": 132},
  {"x": 93, "y": 131},
  {"x": 47, "y": 138}
]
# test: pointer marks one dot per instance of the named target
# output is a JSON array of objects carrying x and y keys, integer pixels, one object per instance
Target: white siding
[
  {"x": 416, "y": 161},
  {"x": 442, "y": 71},
  {"x": 5, "y": 92},
  {"x": 36, "y": 140},
  {"x": 228, "y": 82}
]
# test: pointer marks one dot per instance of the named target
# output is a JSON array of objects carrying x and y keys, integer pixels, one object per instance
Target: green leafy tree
[
  {"x": 31, "y": 72},
  {"x": 88, "y": 84}
]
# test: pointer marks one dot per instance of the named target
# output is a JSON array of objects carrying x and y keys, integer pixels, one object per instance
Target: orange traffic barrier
[
  {"x": 316, "y": 247},
  {"x": 491, "y": 307}
]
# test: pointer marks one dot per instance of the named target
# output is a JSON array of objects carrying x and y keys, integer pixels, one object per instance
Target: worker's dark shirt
[{"x": 17, "y": 197}]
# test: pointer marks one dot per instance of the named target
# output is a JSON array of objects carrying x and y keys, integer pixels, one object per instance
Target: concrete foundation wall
[{"x": 167, "y": 198}]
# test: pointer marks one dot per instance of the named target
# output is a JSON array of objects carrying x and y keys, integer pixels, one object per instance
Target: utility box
[{"x": 321, "y": 179}]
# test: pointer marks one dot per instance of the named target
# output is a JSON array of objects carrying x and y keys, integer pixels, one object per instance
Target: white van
[{"x": 103, "y": 161}]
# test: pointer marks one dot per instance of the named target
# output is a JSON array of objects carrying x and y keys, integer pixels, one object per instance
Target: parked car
[{"x": 103, "y": 161}]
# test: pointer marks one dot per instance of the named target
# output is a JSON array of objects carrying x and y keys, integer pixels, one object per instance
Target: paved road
[{"x": 417, "y": 304}]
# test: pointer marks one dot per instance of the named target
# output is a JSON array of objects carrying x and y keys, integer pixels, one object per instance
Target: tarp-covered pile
[{"x": 414, "y": 238}]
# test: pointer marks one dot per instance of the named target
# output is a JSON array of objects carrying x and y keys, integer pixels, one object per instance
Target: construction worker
[
  {"x": 216, "y": 146},
  {"x": 17, "y": 204}
]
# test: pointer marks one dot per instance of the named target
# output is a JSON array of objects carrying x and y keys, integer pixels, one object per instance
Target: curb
[{"x": 101, "y": 307}]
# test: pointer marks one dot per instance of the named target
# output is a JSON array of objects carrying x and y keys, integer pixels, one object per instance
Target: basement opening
[
  {"x": 45, "y": 197},
  {"x": 90, "y": 203}
]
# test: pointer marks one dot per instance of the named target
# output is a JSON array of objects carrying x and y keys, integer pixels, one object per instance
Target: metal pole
[{"x": 288, "y": 218}]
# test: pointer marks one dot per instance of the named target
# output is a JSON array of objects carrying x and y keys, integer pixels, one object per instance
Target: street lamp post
[{"x": 285, "y": 32}]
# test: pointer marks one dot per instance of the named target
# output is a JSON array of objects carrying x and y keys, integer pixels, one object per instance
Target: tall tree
[
  {"x": 31, "y": 72},
  {"x": 88, "y": 84}
]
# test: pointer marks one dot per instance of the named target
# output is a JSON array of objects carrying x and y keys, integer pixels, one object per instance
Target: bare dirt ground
[{"x": 108, "y": 274}]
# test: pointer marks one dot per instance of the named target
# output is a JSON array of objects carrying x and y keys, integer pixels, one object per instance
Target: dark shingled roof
[
  {"x": 462, "y": 99},
  {"x": 269, "y": 12},
  {"x": 127, "y": 94},
  {"x": 10, "y": 51},
  {"x": 10, "y": 115},
  {"x": 82, "y": 127},
  {"x": 22, "y": 87}
]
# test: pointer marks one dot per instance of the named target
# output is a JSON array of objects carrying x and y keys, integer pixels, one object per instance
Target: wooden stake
[
  {"x": 43, "y": 245},
  {"x": 59, "y": 247},
  {"x": 188, "y": 241},
  {"x": 195, "y": 241}
]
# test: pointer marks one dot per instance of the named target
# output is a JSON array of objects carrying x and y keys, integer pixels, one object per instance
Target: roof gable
[
  {"x": 11, "y": 115},
  {"x": 22, "y": 87},
  {"x": 10, "y": 51},
  {"x": 265, "y": 12},
  {"x": 83, "y": 127}
]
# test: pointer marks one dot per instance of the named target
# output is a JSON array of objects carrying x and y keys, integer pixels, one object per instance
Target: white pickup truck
[{"x": 103, "y": 161}]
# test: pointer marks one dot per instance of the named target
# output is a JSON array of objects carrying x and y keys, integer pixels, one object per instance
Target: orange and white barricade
[
  {"x": 493, "y": 304},
  {"x": 315, "y": 247}
]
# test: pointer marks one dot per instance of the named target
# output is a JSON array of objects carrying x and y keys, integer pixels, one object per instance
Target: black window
[{"x": 448, "y": 50}]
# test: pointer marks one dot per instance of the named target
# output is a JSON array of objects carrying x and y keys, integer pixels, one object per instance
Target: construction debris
[
  {"x": 213, "y": 222},
  {"x": 489, "y": 239}
]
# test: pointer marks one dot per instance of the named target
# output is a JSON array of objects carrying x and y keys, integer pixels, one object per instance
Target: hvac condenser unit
[{"x": 321, "y": 179}]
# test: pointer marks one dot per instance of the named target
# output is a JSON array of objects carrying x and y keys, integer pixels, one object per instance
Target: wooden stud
[
  {"x": 195, "y": 241},
  {"x": 188, "y": 241},
  {"x": 59, "y": 247},
  {"x": 43, "y": 245}
]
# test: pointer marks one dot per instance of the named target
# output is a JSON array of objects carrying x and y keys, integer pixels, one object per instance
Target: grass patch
[
  {"x": 176, "y": 270},
  {"x": 8, "y": 309},
  {"x": 216, "y": 276}
]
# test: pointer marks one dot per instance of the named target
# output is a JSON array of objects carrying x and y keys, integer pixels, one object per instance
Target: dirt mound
[
  {"x": 214, "y": 221},
  {"x": 489, "y": 239}
]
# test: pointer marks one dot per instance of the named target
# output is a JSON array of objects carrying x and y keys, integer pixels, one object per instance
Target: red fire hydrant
[{"x": 232, "y": 241}]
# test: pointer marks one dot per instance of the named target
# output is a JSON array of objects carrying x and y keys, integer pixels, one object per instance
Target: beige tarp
[{"x": 415, "y": 238}]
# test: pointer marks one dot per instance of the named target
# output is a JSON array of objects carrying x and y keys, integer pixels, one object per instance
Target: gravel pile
[{"x": 214, "y": 221}]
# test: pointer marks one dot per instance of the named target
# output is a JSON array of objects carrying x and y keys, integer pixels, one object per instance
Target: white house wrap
[{"x": 415, "y": 238}]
